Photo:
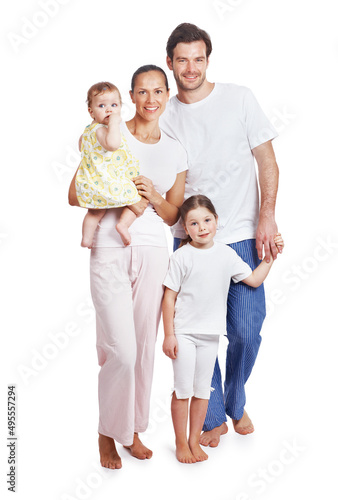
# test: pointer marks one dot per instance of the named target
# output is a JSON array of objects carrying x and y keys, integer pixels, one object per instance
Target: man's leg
[{"x": 245, "y": 316}]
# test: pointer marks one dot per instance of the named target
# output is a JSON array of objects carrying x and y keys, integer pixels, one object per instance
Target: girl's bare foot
[
  {"x": 243, "y": 425},
  {"x": 197, "y": 451},
  {"x": 122, "y": 229},
  {"x": 138, "y": 450},
  {"x": 212, "y": 438},
  {"x": 108, "y": 455},
  {"x": 183, "y": 453}
]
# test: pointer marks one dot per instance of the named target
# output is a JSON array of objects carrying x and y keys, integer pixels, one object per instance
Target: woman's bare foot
[
  {"x": 212, "y": 438},
  {"x": 138, "y": 450},
  {"x": 197, "y": 451},
  {"x": 108, "y": 455},
  {"x": 122, "y": 229},
  {"x": 243, "y": 425},
  {"x": 183, "y": 453}
]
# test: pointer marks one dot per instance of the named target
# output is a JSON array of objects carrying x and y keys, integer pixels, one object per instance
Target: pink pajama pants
[{"x": 127, "y": 290}]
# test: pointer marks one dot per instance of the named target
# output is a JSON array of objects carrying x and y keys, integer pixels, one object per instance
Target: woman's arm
[
  {"x": 168, "y": 309},
  {"x": 166, "y": 208}
]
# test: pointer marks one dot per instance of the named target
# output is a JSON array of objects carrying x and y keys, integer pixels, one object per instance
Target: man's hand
[{"x": 265, "y": 235}]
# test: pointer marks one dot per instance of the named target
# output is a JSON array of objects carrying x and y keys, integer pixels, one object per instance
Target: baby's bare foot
[
  {"x": 138, "y": 450},
  {"x": 243, "y": 425},
  {"x": 108, "y": 455},
  {"x": 183, "y": 453},
  {"x": 212, "y": 438},
  {"x": 122, "y": 229}
]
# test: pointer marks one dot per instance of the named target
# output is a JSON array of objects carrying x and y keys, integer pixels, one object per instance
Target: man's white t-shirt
[
  {"x": 218, "y": 134},
  {"x": 202, "y": 279},
  {"x": 160, "y": 162}
]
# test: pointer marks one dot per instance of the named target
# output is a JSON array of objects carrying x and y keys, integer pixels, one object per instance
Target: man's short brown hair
[{"x": 187, "y": 33}]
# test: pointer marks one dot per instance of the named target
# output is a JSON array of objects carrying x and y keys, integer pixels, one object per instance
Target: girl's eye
[
  {"x": 207, "y": 220},
  {"x": 193, "y": 223}
]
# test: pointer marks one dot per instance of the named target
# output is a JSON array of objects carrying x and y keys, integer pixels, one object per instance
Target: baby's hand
[
  {"x": 115, "y": 116},
  {"x": 279, "y": 242}
]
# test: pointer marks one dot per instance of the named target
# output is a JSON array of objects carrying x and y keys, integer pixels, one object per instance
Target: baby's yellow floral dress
[{"x": 104, "y": 178}]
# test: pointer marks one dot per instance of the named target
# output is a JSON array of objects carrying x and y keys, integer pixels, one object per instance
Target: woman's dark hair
[
  {"x": 187, "y": 33},
  {"x": 145, "y": 69},
  {"x": 196, "y": 201}
]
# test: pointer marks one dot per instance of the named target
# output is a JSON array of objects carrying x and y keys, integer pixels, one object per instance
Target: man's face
[{"x": 189, "y": 65}]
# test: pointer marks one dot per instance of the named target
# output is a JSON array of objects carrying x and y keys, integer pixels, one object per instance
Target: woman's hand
[{"x": 146, "y": 188}]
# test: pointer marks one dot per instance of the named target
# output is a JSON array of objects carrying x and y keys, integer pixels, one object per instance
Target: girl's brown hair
[
  {"x": 101, "y": 88},
  {"x": 192, "y": 203}
]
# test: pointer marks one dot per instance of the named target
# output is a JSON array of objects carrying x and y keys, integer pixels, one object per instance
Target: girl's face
[
  {"x": 150, "y": 95},
  {"x": 200, "y": 225},
  {"x": 103, "y": 105}
]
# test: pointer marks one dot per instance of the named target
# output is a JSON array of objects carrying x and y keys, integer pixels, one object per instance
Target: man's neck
[{"x": 191, "y": 96}]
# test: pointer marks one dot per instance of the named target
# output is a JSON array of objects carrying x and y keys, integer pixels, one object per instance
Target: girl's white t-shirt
[
  {"x": 160, "y": 162},
  {"x": 219, "y": 133},
  {"x": 202, "y": 279}
]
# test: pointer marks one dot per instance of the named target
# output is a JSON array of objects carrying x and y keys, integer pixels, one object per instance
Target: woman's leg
[
  {"x": 116, "y": 346},
  {"x": 149, "y": 266}
]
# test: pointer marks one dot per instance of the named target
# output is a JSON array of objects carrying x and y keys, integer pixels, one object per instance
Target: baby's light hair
[
  {"x": 196, "y": 201},
  {"x": 101, "y": 88}
]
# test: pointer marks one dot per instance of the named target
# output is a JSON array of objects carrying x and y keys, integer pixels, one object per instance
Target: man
[{"x": 223, "y": 130}]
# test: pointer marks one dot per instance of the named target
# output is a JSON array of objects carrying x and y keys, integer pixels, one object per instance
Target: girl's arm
[
  {"x": 110, "y": 137},
  {"x": 168, "y": 309},
  {"x": 259, "y": 274},
  {"x": 166, "y": 208}
]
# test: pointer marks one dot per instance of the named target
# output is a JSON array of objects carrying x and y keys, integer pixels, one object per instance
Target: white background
[{"x": 286, "y": 52}]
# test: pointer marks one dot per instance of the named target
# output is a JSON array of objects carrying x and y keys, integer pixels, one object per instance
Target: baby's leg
[
  {"x": 126, "y": 220},
  {"x": 89, "y": 226}
]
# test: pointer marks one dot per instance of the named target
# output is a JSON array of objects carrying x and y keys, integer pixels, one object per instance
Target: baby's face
[{"x": 103, "y": 105}]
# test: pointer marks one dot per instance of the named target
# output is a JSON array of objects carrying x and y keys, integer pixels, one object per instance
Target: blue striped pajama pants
[{"x": 245, "y": 316}]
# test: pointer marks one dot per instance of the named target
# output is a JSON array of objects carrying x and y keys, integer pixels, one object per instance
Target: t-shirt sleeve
[
  {"x": 173, "y": 278},
  {"x": 181, "y": 158},
  {"x": 240, "y": 269},
  {"x": 258, "y": 127}
]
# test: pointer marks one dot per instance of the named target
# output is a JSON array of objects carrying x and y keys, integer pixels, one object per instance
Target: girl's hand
[
  {"x": 146, "y": 188},
  {"x": 170, "y": 346},
  {"x": 279, "y": 242}
]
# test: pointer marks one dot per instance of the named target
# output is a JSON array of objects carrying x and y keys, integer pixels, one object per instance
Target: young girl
[
  {"x": 194, "y": 312},
  {"x": 104, "y": 178}
]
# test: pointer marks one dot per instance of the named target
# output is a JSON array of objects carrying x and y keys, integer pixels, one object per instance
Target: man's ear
[{"x": 169, "y": 63}]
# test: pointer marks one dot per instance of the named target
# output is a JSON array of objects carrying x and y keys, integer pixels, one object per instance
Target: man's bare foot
[
  {"x": 122, "y": 229},
  {"x": 197, "y": 451},
  {"x": 138, "y": 450},
  {"x": 183, "y": 453},
  {"x": 243, "y": 425},
  {"x": 212, "y": 438},
  {"x": 108, "y": 455}
]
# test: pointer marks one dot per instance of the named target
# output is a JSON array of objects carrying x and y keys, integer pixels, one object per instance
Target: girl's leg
[
  {"x": 126, "y": 220},
  {"x": 206, "y": 352},
  {"x": 184, "y": 371},
  {"x": 198, "y": 410},
  {"x": 179, "y": 413},
  {"x": 89, "y": 226}
]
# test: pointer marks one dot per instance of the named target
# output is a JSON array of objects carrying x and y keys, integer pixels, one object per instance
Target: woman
[{"x": 126, "y": 282}]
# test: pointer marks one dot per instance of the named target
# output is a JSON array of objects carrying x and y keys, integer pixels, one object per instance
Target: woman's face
[{"x": 150, "y": 95}]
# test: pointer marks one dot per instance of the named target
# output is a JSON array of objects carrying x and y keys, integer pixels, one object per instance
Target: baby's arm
[
  {"x": 110, "y": 137},
  {"x": 168, "y": 310},
  {"x": 259, "y": 274}
]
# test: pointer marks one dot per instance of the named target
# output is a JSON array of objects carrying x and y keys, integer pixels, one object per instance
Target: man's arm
[{"x": 268, "y": 174}]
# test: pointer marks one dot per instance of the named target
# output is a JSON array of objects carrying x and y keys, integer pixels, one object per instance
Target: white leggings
[
  {"x": 194, "y": 365},
  {"x": 127, "y": 291}
]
